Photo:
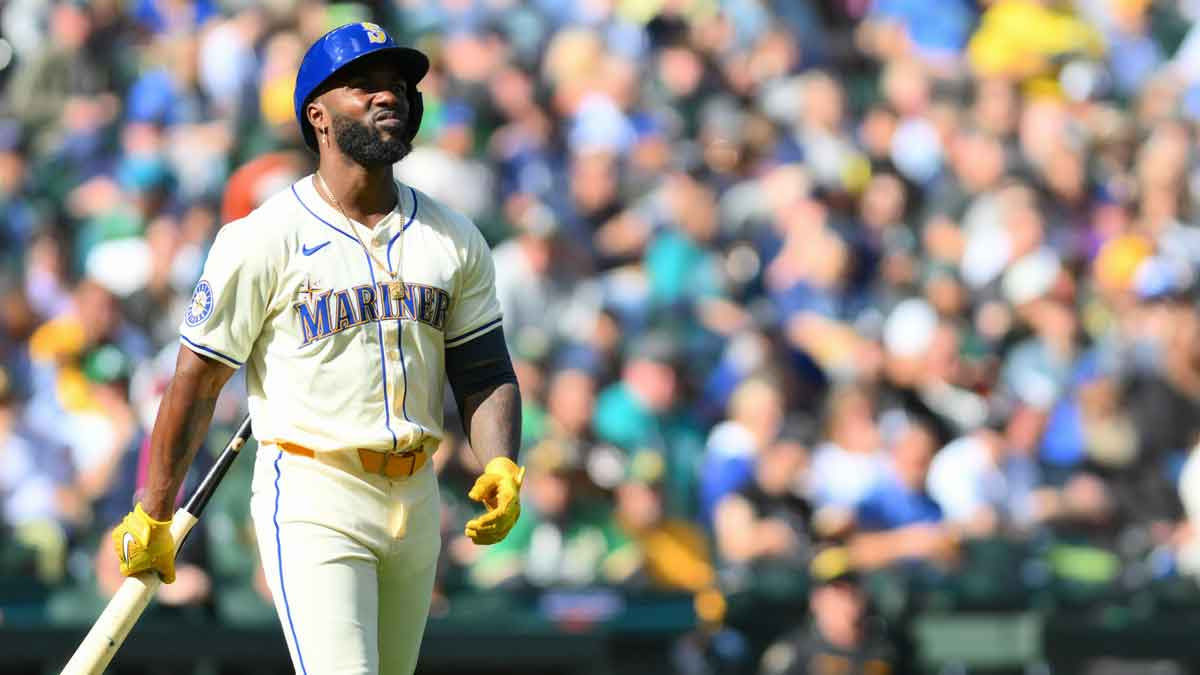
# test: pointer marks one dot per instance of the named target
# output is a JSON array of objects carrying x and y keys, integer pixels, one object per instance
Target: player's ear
[{"x": 318, "y": 118}]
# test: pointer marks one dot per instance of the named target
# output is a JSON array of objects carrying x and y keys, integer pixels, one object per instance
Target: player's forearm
[
  {"x": 180, "y": 428},
  {"x": 485, "y": 389},
  {"x": 493, "y": 420}
]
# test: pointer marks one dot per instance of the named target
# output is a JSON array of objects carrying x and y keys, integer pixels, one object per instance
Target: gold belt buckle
[
  {"x": 400, "y": 465},
  {"x": 389, "y": 464}
]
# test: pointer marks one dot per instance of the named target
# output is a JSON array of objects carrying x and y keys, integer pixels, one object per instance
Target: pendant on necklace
[{"x": 397, "y": 290}]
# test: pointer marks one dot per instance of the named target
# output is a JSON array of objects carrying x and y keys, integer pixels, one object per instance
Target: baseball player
[{"x": 349, "y": 298}]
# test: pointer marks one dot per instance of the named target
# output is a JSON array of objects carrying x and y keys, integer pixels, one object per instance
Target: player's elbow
[{"x": 203, "y": 375}]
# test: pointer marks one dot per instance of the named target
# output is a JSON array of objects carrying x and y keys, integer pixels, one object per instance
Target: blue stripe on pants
[{"x": 279, "y": 557}]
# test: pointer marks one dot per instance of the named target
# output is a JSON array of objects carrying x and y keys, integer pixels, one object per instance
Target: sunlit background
[{"x": 854, "y": 336}]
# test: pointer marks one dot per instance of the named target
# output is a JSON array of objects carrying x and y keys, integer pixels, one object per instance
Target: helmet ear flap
[{"x": 416, "y": 110}]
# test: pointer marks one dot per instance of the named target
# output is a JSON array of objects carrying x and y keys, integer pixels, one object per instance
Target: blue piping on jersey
[
  {"x": 287, "y": 609},
  {"x": 326, "y": 222},
  {"x": 210, "y": 350},
  {"x": 476, "y": 331},
  {"x": 399, "y": 323},
  {"x": 387, "y": 406}
]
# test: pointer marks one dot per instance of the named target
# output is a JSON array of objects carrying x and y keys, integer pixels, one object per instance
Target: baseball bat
[{"x": 123, "y": 610}]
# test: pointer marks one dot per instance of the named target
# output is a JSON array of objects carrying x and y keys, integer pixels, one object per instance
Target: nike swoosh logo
[
  {"x": 309, "y": 251},
  {"x": 125, "y": 542}
]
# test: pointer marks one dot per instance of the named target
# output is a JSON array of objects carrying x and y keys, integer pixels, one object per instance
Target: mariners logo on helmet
[{"x": 374, "y": 32}]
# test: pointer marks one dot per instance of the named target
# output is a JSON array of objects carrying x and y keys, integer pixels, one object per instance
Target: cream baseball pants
[{"x": 350, "y": 559}]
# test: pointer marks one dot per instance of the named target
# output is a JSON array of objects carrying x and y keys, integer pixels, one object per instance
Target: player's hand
[
  {"x": 144, "y": 543},
  {"x": 499, "y": 489}
]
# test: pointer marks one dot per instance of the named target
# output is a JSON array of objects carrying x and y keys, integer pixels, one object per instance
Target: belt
[{"x": 391, "y": 465}]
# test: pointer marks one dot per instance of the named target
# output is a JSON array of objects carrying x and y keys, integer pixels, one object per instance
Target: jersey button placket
[
  {"x": 395, "y": 368},
  {"x": 393, "y": 329}
]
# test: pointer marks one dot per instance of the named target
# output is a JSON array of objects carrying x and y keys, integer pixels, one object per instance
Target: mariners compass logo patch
[{"x": 201, "y": 306}]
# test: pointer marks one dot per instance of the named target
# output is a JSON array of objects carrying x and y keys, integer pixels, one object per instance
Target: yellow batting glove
[
  {"x": 499, "y": 489},
  {"x": 144, "y": 543}
]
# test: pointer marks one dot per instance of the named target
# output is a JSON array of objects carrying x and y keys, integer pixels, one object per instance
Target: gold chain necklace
[{"x": 397, "y": 286}]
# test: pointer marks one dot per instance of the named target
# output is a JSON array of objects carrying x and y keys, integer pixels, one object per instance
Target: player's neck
[{"x": 367, "y": 195}]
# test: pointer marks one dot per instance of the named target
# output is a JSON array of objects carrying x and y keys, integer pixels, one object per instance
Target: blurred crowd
[{"x": 870, "y": 281}]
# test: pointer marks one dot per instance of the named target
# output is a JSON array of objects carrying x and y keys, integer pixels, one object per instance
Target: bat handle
[
  {"x": 122, "y": 612},
  {"x": 181, "y": 523}
]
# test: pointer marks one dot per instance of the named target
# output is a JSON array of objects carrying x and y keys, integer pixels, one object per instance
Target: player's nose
[
  {"x": 389, "y": 97},
  {"x": 388, "y": 105}
]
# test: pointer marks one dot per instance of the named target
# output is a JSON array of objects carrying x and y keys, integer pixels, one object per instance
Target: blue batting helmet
[{"x": 344, "y": 45}]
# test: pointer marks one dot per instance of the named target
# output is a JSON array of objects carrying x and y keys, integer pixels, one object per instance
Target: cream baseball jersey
[{"x": 335, "y": 356}]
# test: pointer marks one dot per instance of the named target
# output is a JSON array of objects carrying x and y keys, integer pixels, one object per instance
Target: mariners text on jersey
[{"x": 334, "y": 311}]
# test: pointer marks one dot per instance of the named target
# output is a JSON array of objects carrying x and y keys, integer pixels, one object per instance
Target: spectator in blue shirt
[
  {"x": 900, "y": 498},
  {"x": 898, "y": 522}
]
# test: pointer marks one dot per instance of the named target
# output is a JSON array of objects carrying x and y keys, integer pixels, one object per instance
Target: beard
[{"x": 366, "y": 145}]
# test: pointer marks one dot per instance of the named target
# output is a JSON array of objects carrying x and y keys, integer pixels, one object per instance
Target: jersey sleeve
[
  {"x": 476, "y": 310},
  {"x": 229, "y": 306}
]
